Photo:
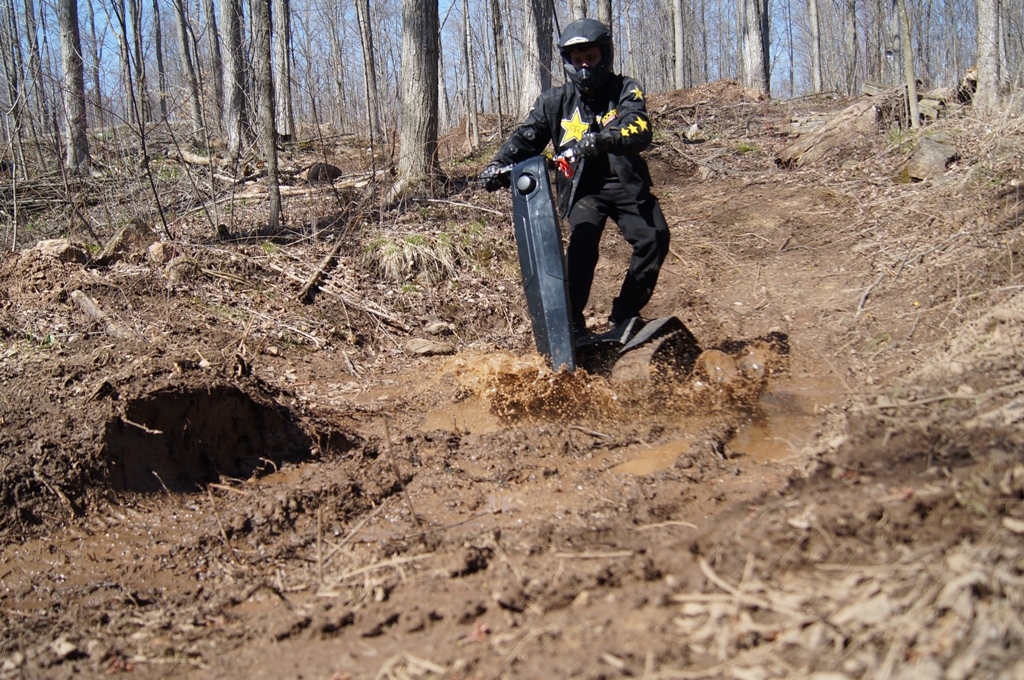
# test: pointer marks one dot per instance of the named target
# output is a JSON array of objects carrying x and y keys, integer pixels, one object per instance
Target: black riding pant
[{"x": 643, "y": 226}]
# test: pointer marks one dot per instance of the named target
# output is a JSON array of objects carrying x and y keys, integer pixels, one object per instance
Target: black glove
[
  {"x": 594, "y": 143},
  {"x": 495, "y": 176}
]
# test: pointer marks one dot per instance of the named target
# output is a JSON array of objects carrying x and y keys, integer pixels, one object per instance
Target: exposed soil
[{"x": 220, "y": 480}]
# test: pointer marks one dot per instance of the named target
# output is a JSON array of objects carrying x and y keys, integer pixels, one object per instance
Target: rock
[
  {"x": 65, "y": 649},
  {"x": 62, "y": 249},
  {"x": 1014, "y": 525},
  {"x": 322, "y": 173},
  {"x": 868, "y": 613},
  {"x": 134, "y": 237},
  {"x": 931, "y": 158},
  {"x": 439, "y": 328},
  {"x": 422, "y": 347},
  {"x": 161, "y": 252}
]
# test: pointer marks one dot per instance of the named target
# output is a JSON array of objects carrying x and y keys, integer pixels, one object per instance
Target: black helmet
[{"x": 584, "y": 33}]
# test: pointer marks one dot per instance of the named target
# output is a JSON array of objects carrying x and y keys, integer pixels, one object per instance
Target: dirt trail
[{"x": 248, "y": 487}]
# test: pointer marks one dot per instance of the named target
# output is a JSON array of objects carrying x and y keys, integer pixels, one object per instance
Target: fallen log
[
  {"x": 860, "y": 118},
  {"x": 93, "y": 311}
]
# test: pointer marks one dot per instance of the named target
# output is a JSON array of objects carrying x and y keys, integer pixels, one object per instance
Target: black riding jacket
[{"x": 561, "y": 115}]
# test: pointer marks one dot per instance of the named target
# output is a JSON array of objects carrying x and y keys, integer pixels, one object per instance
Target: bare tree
[
  {"x": 282, "y": 37},
  {"x": 604, "y": 14},
  {"x": 754, "y": 73},
  {"x": 577, "y": 10},
  {"x": 851, "y": 46},
  {"x": 679, "y": 43},
  {"x": 188, "y": 67},
  {"x": 987, "y": 98},
  {"x": 501, "y": 80},
  {"x": 265, "y": 84},
  {"x": 77, "y": 157},
  {"x": 418, "y": 123},
  {"x": 535, "y": 70},
  {"x": 908, "y": 63},
  {"x": 815, "y": 24},
  {"x": 472, "y": 123},
  {"x": 235, "y": 120},
  {"x": 216, "y": 69},
  {"x": 161, "y": 73},
  {"x": 139, "y": 63},
  {"x": 369, "y": 70}
]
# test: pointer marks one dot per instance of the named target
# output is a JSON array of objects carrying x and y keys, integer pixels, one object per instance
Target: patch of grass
[
  {"x": 270, "y": 248},
  {"x": 744, "y": 147}
]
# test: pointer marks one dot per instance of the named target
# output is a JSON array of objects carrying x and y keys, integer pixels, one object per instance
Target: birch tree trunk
[
  {"x": 987, "y": 99},
  {"x": 265, "y": 84},
  {"x": 188, "y": 68},
  {"x": 418, "y": 117},
  {"x": 77, "y": 143},
  {"x": 282, "y": 37},
  {"x": 536, "y": 74}
]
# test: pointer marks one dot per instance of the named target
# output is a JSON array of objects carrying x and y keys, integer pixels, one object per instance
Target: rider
[{"x": 602, "y": 115}]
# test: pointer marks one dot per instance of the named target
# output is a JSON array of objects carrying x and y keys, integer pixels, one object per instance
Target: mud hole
[{"x": 215, "y": 479}]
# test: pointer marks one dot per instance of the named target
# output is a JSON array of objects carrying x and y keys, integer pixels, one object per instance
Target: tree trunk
[
  {"x": 188, "y": 68},
  {"x": 815, "y": 23},
  {"x": 986, "y": 98},
  {"x": 467, "y": 44},
  {"x": 369, "y": 71},
  {"x": 851, "y": 46},
  {"x": 77, "y": 152},
  {"x": 141, "y": 87},
  {"x": 216, "y": 69},
  {"x": 604, "y": 15},
  {"x": 577, "y": 11},
  {"x": 536, "y": 73},
  {"x": 499, "y": 64},
  {"x": 265, "y": 84},
  {"x": 418, "y": 124},
  {"x": 679, "y": 43},
  {"x": 161, "y": 73},
  {"x": 235, "y": 123},
  {"x": 908, "y": 64},
  {"x": 282, "y": 36},
  {"x": 751, "y": 46}
]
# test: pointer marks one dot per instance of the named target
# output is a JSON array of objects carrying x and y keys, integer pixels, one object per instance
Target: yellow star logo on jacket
[
  {"x": 574, "y": 127},
  {"x": 637, "y": 93}
]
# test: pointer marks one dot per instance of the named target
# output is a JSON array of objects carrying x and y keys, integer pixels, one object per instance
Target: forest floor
[{"x": 217, "y": 479}]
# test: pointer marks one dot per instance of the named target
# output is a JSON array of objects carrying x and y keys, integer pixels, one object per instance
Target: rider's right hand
[{"x": 495, "y": 176}]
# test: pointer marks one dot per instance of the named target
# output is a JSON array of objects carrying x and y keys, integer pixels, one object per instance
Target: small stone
[{"x": 425, "y": 348}]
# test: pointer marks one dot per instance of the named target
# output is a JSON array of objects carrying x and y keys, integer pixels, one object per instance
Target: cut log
[{"x": 860, "y": 118}]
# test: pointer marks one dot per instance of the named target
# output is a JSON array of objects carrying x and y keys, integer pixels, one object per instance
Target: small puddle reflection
[
  {"x": 471, "y": 415},
  {"x": 655, "y": 459},
  {"x": 788, "y": 418}
]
